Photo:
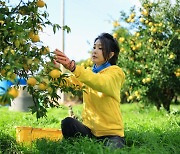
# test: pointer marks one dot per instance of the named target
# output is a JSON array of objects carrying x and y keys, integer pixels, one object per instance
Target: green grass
[{"x": 146, "y": 129}]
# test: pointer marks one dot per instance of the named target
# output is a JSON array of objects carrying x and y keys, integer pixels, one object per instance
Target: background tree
[{"x": 150, "y": 52}]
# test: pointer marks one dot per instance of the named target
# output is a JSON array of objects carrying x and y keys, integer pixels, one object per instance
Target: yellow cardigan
[{"x": 101, "y": 100}]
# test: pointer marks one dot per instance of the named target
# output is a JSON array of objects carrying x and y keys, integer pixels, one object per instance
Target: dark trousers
[{"x": 73, "y": 128}]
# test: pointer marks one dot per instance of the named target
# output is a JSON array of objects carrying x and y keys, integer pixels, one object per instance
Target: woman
[{"x": 101, "y": 114}]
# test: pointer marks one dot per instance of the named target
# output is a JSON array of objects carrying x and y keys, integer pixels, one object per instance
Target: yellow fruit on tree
[
  {"x": 138, "y": 71},
  {"x": 116, "y": 24},
  {"x": 150, "y": 24},
  {"x": 1, "y": 22},
  {"x": 150, "y": 40},
  {"x": 137, "y": 34},
  {"x": 132, "y": 15},
  {"x": 146, "y": 22},
  {"x": 31, "y": 34},
  {"x": 138, "y": 45},
  {"x": 121, "y": 39},
  {"x": 145, "y": 13},
  {"x": 160, "y": 24},
  {"x": 148, "y": 80},
  {"x": 126, "y": 93},
  {"x": 128, "y": 20},
  {"x": 138, "y": 96},
  {"x": 45, "y": 51},
  {"x": 13, "y": 92},
  {"x": 154, "y": 30},
  {"x": 134, "y": 48},
  {"x": 145, "y": 5},
  {"x": 6, "y": 50},
  {"x": 136, "y": 93},
  {"x": 178, "y": 70},
  {"x": 144, "y": 80},
  {"x": 55, "y": 73},
  {"x": 35, "y": 38},
  {"x": 122, "y": 49},
  {"x": 171, "y": 56},
  {"x": 131, "y": 42},
  {"x": 177, "y": 74},
  {"x": 142, "y": 20},
  {"x": 3, "y": 72},
  {"x": 42, "y": 86},
  {"x": 115, "y": 35},
  {"x": 31, "y": 81},
  {"x": 130, "y": 98},
  {"x": 40, "y": 3},
  {"x": 132, "y": 20},
  {"x": 12, "y": 51}
]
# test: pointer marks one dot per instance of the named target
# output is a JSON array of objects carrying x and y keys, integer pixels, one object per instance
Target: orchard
[
  {"x": 23, "y": 55},
  {"x": 150, "y": 52},
  {"x": 149, "y": 40}
]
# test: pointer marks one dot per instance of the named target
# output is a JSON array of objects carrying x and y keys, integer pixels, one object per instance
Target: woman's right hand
[{"x": 61, "y": 58}]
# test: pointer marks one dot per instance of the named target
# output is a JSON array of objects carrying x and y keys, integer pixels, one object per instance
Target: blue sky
[{"x": 87, "y": 19}]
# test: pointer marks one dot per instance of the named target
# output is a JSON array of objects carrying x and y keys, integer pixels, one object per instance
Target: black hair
[{"x": 109, "y": 44}]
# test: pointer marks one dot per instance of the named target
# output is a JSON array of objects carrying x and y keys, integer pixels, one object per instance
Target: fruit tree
[
  {"x": 150, "y": 52},
  {"x": 23, "y": 55}
]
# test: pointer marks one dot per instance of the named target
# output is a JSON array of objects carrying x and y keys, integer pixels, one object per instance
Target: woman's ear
[{"x": 111, "y": 55}]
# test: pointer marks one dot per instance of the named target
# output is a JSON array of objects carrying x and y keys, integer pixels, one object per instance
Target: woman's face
[{"x": 97, "y": 54}]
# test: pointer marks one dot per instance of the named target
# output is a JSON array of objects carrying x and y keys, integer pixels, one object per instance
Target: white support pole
[
  {"x": 62, "y": 25},
  {"x": 61, "y": 66}
]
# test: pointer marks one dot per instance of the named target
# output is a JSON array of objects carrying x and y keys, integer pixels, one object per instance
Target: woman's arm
[{"x": 107, "y": 82}]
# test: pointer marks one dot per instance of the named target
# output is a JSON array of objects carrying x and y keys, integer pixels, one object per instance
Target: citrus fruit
[
  {"x": 116, "y": 24},
  {"x": 35, "y": 38},
  {"x": 148, "y": 80},
  {"x": 13, "y": 92},
  {"x": 132, "y": 15},
  {"x": 45, "y": 51},
  {"x": 31, "y": 34},
  {"x": 42, "y": 86},
  {"x": 31, "y": 81},
  {"x": 55, "y": 73},
  {"x": 1, "y": 22},
  {"x": 121, "y": 39},
  {"x": 142, "y": 20},
  {"x": 3, "y": 72},
  {"x": 40, "y": 3}
]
